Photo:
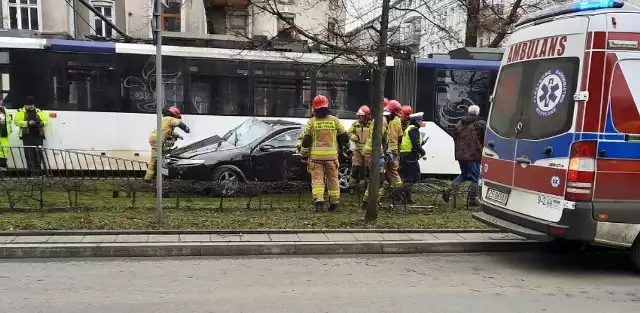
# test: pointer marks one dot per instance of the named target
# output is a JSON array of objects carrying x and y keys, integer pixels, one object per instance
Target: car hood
[{"x": 206, "y": 146}]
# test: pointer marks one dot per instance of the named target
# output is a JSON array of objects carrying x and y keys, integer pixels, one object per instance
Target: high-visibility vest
[
  {"x": 406, "y": 145},
  {"x": 368, "y": 147}
]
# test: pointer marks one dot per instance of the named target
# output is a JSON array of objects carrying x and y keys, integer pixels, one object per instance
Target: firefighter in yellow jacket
[
  {"x": 359, "y": 134},
  {"x": 367, "y": 150},
  {"x": 322, "y": 138},
  {"x": 393, "y": 114},
  {"x": 5, "y": 131},
  {"x": 171, "y": 118}
]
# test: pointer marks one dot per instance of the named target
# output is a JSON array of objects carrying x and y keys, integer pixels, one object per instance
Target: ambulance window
[
  {"x": 625, "y": 101},
  {"x": 507, "y": 100},
  {"x": 548, "y": 107}
]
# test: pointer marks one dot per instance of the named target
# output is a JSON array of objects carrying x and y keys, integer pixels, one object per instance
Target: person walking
[
  {"x": 322, "y": 137},
  {"x": 468, "y": 138},
  {"x": 171, "y": 119},
  {"x": 5, "y": 130},
  {"x": 410, "y": 153},
  {"x": 359, "y": 134},
  {"x": 32, "y": 122}
]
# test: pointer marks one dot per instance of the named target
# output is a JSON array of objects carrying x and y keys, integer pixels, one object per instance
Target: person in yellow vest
[
  {"x": 359, "y": 134},
  {"x": 367, "y": 150},
  {"x": 410, "y": 153},
  {"x": 323, "y": 136},
  {"x": 5, "y": 130},
  {"x": 171, "y": 119},
  {"x": 393, "y": 114},
  {"x": 32, "y": 122}
]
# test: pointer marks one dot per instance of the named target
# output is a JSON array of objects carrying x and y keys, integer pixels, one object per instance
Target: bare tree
[{"x": 348, "y": 46}]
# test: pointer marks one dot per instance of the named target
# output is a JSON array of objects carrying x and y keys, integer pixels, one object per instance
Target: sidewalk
[{"x": 276, "y": 243}]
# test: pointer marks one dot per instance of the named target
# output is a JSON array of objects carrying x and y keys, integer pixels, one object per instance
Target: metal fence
[
  {"x": 34, "y": 171},
  {"x": 38, "y": 162}
]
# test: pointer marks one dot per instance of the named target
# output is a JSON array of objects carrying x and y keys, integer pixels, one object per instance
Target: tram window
[
  {"x": 27, "y": 79},
  {"x": 218, "y": 87},
  {"x": 83, "y": 82},
  {"x": 138, "y": 85}
]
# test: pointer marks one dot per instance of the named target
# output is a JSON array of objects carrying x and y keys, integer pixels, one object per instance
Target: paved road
[{"x": 427, "y": 283}]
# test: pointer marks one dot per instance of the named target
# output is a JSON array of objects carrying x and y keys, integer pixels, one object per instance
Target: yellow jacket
[{"x": 20, "y": 120}]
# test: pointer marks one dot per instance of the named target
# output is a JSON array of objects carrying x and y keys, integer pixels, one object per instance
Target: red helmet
[
  {"x": 406, "y": 111},
  {"x": 175, "y": 112},
  {"x": 320, "y": 101},
  {"x": 395, "y": 107},
  {"x": 385, "y": 103},
  {"x": 364, "y": 111}
]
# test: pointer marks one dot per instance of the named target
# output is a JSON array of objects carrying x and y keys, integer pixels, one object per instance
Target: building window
[
  {"x": 331, "y": 31},
  {"x": 286, "y": 30},
  {"x": 237, "y": 23},
  {"x": 282, "y": 24},
  {"x": 100, "y": 27},
  {"x": 22, "y": 14},
  {"x": 171, "y": 16}
]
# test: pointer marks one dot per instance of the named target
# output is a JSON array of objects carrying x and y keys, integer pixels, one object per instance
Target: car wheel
[
  {"x": 635, "y": 253},
  {"x": 229, "y": 179},
  {"x": 344, "y": 172}
]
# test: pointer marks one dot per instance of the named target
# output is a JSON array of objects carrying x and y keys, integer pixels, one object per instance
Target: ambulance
[{"x": 561, "y": 154}]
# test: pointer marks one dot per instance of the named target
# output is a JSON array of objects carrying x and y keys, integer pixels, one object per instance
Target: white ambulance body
[{"x": 560, "y": 157}]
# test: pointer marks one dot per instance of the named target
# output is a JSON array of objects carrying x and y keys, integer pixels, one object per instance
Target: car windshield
[{"x": 247, "y": 132}]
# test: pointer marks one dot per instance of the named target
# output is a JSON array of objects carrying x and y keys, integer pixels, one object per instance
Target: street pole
[{"x": 159, "y": 107}]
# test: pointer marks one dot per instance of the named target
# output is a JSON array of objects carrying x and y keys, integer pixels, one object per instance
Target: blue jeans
[{"x": 470, "y": 170}]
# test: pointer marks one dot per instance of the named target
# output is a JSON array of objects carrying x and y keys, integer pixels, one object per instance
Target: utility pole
[{"x": 159, "y": 106}]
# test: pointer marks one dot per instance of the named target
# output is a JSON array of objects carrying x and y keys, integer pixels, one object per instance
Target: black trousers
[
  {"x": 409, "y": 168},
  {"x": 34, "y": 157}
]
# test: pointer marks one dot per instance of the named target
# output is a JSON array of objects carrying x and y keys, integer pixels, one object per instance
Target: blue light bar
[
  {"x": 570, "y": 8},
  {"x": 602, "y": 4}
]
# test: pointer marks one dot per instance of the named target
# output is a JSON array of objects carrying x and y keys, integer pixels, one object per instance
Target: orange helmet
[
  {"x": 319, "y": 102},
  {"x": 395, "y": 107},
  {"x": 406, "y": 111},
  {"x": 364, "y": 111},
  {"x": 175, "y": 112}
]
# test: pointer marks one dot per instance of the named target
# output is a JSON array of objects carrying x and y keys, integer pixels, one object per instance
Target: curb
[
  {"x": 235, "y": 231},
  {"x": 21, "y": 251}
]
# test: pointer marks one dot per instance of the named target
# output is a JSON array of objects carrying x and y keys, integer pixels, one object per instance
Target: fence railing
[{"x": 31, "y": 162}]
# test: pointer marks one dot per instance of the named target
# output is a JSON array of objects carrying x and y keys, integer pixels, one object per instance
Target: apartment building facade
[{"x": 234, "y": 18}]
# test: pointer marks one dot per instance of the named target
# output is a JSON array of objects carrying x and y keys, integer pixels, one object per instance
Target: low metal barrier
[{"x": 38, "y": 162}]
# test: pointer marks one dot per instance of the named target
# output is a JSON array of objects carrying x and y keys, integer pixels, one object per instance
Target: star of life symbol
[
  {"x": 550, "y": 91},
  {"x": 555, "y": 181}
]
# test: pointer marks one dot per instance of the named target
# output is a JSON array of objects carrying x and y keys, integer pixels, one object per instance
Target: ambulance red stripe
[
  {"x": 618, "y": 166},
  {"x": 592, "y": 115},
  {"x": 538, "y": 178},
  {"x": 498, "y": 171},
  {"x": 617, "y": 186}
]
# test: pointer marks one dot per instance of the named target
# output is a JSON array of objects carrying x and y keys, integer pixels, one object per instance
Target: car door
[{"x": 274, "y": 159}]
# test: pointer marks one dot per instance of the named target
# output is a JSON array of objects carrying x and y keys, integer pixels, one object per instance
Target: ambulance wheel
[{"x": 635, "y": 253}]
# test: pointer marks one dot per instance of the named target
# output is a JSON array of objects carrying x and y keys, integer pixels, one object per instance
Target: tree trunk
[
  {"x": 471, "y": 34},
  {"x": 379, "y": 79}
]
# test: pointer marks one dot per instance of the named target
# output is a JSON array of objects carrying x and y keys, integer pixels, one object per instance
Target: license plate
[
  {"x": 497, "y": 196},
  {"x": 550, "y": 203}
]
